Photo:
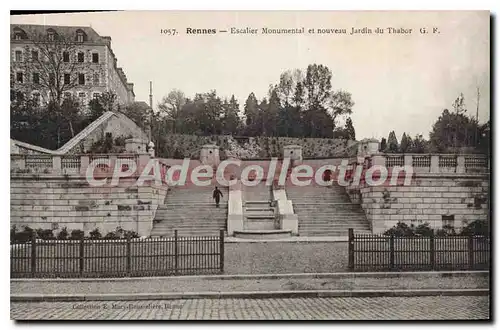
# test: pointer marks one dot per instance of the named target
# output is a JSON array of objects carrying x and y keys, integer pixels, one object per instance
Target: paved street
[{"x": 382, "y": 308}]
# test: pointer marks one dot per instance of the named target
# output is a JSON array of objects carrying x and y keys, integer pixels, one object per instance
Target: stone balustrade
[
  {"x": 72, "y": 164},
  {"x": 433, "y": 163}
]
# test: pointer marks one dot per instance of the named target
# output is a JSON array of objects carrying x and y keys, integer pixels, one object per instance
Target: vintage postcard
[{"x": 250, "y": 165}]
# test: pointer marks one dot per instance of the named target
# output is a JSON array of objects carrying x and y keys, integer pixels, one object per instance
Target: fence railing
[
  {"x": 177, "y": 255},
  {"x": 74, "y": 164},
  {"x": 391, "y": 253},
  {"x": 435, "y": 163}
]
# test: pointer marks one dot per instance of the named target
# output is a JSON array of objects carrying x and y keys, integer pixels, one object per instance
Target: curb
[
  {"x": 250, "y": 295},
  {"x": 480, "y": 273}
]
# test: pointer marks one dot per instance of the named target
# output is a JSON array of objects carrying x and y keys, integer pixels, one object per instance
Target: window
[
  {"x": 19, "y": 55},
  {"x": 18, "y": 36},
  {"x": 95, "y": 57},
  {"x": 66, "y": 57},
  {"x": 34, "y": 55},
  {"x": 95, "y": 95},
  {"x": 67, "y": 95},
  {"x": 81, "y": 57},
  {"x": 81, "y": 95},
  {"x": 36, "y": 78},
  {"x": 67, "y": 79},
  {"x": 52, "y": 79},
  {"x": 81, "y": 79},
  {"x": 80, "y": 37},
  {"x": 96, "y": 79},
  {"x": 19, "y": 77},
  {"x": 51, "y": 35}
]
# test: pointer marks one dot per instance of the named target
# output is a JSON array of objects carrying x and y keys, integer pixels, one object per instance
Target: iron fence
[
  {"x": 395, "y": 253},
  {"x": 177, "y": 255}
]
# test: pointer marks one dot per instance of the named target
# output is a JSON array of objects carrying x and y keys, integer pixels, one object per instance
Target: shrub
[
  {"x": 45, "y": 234},
  {"x": 424, "y": 230},
  {"x": 112, "y": 235},
  {"x": 477, "y": 227},
  {"x": 13, "y": 231},
  {"x": 77, "y": 234},
  {"x": 95, "y": 234},
  {"x": 63, "y": 234},
  {"x": 23, "y": 236},
  {"x": 401, "y": 229}
]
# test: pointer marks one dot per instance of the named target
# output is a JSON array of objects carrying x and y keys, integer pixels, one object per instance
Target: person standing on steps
[{"x": 217, "y": 194}]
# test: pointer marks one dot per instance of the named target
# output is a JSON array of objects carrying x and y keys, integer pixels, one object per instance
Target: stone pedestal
[
  {"x": 235, "y": 210},
  {"x": 294, "y": 153},
  {"x": 368, "y": 147},
  {"x": 209, "y": 155}
]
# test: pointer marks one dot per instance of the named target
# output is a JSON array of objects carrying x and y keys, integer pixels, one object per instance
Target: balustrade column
[
  {"x": 460, "y": 164},
  {"x": 434, "y": 164},
  {"x": 56, "y": 164}
]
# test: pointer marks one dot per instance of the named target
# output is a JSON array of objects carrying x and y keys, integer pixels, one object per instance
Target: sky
[{"x": 399, "y": 82}]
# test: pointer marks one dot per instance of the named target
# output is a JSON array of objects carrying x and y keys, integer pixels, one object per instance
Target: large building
[{"x": 56, "y": 62}]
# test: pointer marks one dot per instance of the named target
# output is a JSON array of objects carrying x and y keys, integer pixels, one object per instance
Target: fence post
[
  {"x": 221, "y": 250},
  {"x": 391, "y": 253},
  {"x": 351, "y": 248},
  {"x": 82, "y": 256},
  {"x": 33, "y": 254},
  {"x": 470, "y": 244},
  {"x": 176, "y": 252},
  {"x": 432, "y": 250},
  {"x": 129, "y": 255}
]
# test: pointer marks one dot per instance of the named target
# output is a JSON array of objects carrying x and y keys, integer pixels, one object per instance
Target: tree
[
  {"x": 383, "y": 145},
  {"x": 351, "y": 133},
  {"x": 392, "y": 142},
  {"x": 231, "y": 120},
  {"x": 453, "y": 131},
  {"x": 55, "y": 63},
  {"x": 171, "y": 107},
  {"x": 404, "y": 144},
  {"x": 418, "y": 144},
  {"x": 251, "y": 111}
]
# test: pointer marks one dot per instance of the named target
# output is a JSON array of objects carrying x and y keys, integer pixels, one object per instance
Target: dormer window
[
  {"x": 80, "y": 36},
  {"x": 19, "y": 34},
  {"x": 50, "y": 36}
]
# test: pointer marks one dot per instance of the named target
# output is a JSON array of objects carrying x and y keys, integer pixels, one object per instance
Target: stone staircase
[
  {"x": 260, "y": 218},
  {"x": 192, "y": 211},
  {"x": 326, "y": 211}
]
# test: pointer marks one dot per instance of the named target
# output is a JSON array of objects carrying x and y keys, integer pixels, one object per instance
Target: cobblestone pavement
[{"x": 381, "y": 308}]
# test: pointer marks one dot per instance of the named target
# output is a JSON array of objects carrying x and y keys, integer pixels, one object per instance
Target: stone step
[
  {"x": 259, "y": 209},
  {"x": 188, "y": 225},
  {"x": 263, "y": 234},
  {"x": 256, "y": 202},
  {"x": 259, "y": 216}
]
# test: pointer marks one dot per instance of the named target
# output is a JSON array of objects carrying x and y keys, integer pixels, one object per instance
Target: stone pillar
[
  {"x": 151, "y": 149},
  {"x": 408, "y": 160},
  {"x": 235, "y": 209},
  {"x": 368, "y": 147},
  {"x": 378, "y": 160},
  {"x": 209, "y": 155},
  {"x": 460, "y": 164},
  {"x": 288, "y": 219},
  {"x": 84, "y": 163},
  {"x": 294, "y": 152},
  {"x": 434, "y": 164},
  {"x": 56, "y": 164}
]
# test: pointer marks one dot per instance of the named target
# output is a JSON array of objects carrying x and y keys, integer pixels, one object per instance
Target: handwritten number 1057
[{"x": 168, "y": 32}]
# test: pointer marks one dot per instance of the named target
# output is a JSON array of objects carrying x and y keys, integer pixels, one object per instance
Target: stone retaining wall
[{"x": 54, "y": 202}]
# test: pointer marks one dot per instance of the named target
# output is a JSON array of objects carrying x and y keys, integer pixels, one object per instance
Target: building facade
[{"x": 56, "y": 62}]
